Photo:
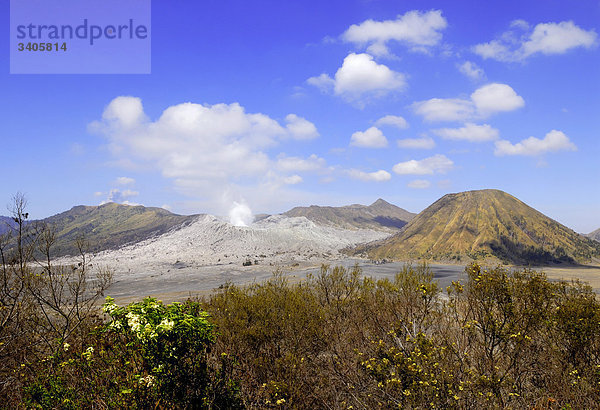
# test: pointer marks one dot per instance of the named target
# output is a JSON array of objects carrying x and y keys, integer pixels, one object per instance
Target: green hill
[
  {"x": 484, "y": 224},
  {"x": 110, "y": 226},
  {"x": 380, "y": 215}
]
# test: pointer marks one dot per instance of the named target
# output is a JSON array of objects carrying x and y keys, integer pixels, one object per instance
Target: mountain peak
[
  {"x": 380, "y": 202},
  {"x": 482, "y": 224},
  {"x": 381, "y": 215}
]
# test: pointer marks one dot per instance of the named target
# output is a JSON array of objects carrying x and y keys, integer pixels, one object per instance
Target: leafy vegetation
[
  {"x": 145, "y": 355},
  {"x": 500, "y": 339}
]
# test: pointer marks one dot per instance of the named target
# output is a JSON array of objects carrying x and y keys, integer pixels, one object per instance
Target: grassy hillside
[
  {"x": 483, "y": 224},
  {"x": 110, "y": 226},
  {"x": 380, "y": 215}
]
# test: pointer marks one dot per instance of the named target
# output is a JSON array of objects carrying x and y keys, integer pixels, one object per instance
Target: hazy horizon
[{"x": 272, "y": 105}]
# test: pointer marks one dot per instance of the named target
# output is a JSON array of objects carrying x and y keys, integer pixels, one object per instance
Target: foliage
[
  {"x": 147, "y": 355},
  {"x": 501, "y": 339},
  {"x": 42, "y": 305}
]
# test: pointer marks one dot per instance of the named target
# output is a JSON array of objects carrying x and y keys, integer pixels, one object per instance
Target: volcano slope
[
  {"x": 275, "y": 240},
  {"x": 380, "y": 215},
  {"x": 110, "y": 226},
  {"x": 484, "y": 224}
]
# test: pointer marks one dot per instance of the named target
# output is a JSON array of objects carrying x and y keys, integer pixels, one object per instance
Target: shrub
[{"x": 148, "y": 354}]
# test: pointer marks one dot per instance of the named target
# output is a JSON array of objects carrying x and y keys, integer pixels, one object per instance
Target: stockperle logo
[{"x": 80, "y": 36}]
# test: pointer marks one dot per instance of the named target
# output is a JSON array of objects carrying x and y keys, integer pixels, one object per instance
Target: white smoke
[{"x": 240, "y": 214}]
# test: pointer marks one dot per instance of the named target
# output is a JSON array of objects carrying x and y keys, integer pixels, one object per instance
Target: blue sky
[{"x": 276, "y": 104}]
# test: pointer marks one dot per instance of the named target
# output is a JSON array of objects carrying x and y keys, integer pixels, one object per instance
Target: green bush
[
  {"x": 500, "y": 339},
  {"x": 148, "y": 354}
]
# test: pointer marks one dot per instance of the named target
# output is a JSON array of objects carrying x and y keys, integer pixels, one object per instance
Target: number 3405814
[{"x": 42, "y": 47}]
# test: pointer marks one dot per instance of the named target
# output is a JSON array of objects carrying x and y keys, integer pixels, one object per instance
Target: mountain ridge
[
  {"x": 109, "y": 226},
  {"x": 380, "y": 215},
  {"x": 484, "y": 224}
]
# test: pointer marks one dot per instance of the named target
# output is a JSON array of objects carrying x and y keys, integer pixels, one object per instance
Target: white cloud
[
  {"x": 470, "y": 132},
  {"x": 323, "y": 82},
  {"x": 444, "y": 109},
  {"x": 377, "y": 176},
  {"x": 416, "y": 143},
  {"x": 292, "y": 180},
  {"x": 392, "y": 120},
  {"x": 125, "y": 181},
  {"x": 428, "y": 166},
  {"x": 298, "y": 164},
  {"x": 471, "y": 70},
  {"x": 492, "y": 98},
  {"x": 419, "y": 184},
  {"x": 360, "y": 76},
  {"x": 546, "y": 38},
  {"x": 416, "y": 29},
  {"x": 300, "y": 128},
  {"x": 206, "y": 150},
  {"x": 371, "y": 138},
  {"x": 125, "y": 111},
  {"x": 554, "y": 141},
  {"x": 485, "y": 101},
  {"x": 558, "y": 38}
]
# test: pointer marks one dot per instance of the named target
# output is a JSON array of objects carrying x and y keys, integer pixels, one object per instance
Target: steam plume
[{"x": 240, "y": 214}]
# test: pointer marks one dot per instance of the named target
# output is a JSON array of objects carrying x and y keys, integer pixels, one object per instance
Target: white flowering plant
[{"x": 173, "y": 342}]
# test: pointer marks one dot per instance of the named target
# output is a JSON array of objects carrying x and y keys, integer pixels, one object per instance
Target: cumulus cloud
[
  {"x": 438, "y": 164},
  {"x": 125, "y": 181},
  {"x": 125, "y": 111},
  {"x": 300, "y": 128},
  {"x": 392, "y": 120},
  {"x": 471, "y": 70},
  {"x": 492, "y": 98},
  {"x": 519, "y": 42},
  {"x": 470, "y": 132},
  {"x": 377, "y": 176},
  {"x": 360, "y": 76},
  {"x": 415, "y": 29},
  {"x": 207, "y": 149},
  {"x": 554, "y": 141},
  {"x": 416, "y": 143},
  {"x": 371, "y": 138},
  {"x": 484, "y": 102},
  {"x": 419, "y": 184}
]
